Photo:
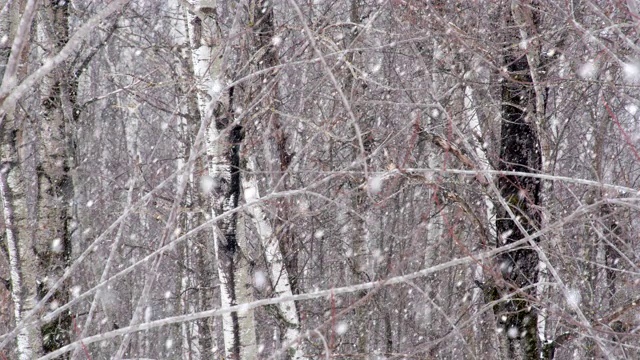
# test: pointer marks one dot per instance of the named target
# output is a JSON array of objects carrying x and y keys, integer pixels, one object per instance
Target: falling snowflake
[
  {"x": 376, "y": 67},
  {"x": 56, "y": 245},
  {"x": 216, "y": 88},
  {"x": 148, "y": 312},
  {"x": 573, "y": 298},
  {"x": 631, "y": 71},
  {"x": 631, "y": 108},
  {"x": 505, "y": 235},
  {"x": 588, "y": 70},
  {"x": 341, "y": 328},
  {"x": 375, "y": 184},
  {"x": 206, "y": 184},
  {"x": 259, "y": 279},
  {"x": 75, "y": 291}
]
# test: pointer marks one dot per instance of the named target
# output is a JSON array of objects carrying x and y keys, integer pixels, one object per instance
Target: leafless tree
[{"x": 319, "y": 179}]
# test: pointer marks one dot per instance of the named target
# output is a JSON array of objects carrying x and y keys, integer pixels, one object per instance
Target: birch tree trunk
[
  {"x": 22, "y": 264},
  {"x": 21, "y": 258},
  {"x": 197, "y": 338},
  {"x": 14, "y": 214},
  {"x": 278, "y": 275},
  {"x": 43, "y": 253},
  {"x": 223, "y": 149},
  {"x": 54, "y": 160},
  {"x": 279, "y": 246}
]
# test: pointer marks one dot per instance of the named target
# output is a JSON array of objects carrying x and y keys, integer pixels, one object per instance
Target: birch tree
[
  {"x": 12, "y": 184},
  {"x": 223, "y": 148},
  {"x": 44, "y": 251},
  {"x": 277, "y": 245},
  {"x": 396, "y": 179},
  {"x": 53, "y": 245}
]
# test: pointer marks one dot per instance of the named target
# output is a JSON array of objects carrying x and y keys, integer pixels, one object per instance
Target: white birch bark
[
  {"x": 9, "y": 92},
  {"x": 483, "y": 164},
  {"x": 22, "y": 262},
  {"x": 190, "y": 344},
  {"x": 14, "y": 210},
  {"x": 233, "y": 270},
  {"x": 278, "y": 274},
  {"x": 207, "y": 73}
]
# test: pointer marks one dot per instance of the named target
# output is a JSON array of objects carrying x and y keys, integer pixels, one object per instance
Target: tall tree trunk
[
  {"x": 13, "y": 197},
  {"x": 197, "y": 338},
  {"x": 22, "y": 260},
  {"x": 279, "y": 246},
  {"x": 223, "y": 149},
  {"x": 55, "y": 186},
  {"x": 359, "y": 242},
  {"x": 278, "y": 274},
  {"x": 519, "y": 151},
  {"x": 44, "y": 251}
]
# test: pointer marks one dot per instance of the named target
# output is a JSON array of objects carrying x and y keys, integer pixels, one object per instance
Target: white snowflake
[
  {"x": 588, "y": 70},
  {"x": 75, "y": 291},
  {"x": 259, "y": 279},
  {"x": 148, "y": 312},
  {"x": 376, "y": 67},
  {"x": 216, "y": 88},
  {"x": 573, "y": 298},
  {"x": 375, "y": 184},
  {"x": 341, "y": 328},
  {"x": 631, "y": 108},
  {"x": 505, "y": 235},
  {"x": 206, "y": 184},
  {"x": 631, "y": 71},
  {"x": 56, "y": 245}
]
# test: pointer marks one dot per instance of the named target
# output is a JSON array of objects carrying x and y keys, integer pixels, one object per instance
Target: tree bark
[
  {"x": 13, "y": 197},
  {"x": 21, "y": 259},
  {"x": 519, "y": 151},
  {"x": 223, "y": 149},
  {"x": 278, "y": 241},
  {"x": 54, "y": 160}
]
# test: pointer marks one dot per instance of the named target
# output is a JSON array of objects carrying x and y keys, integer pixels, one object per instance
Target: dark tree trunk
[{"x": 519, "y": 151}]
